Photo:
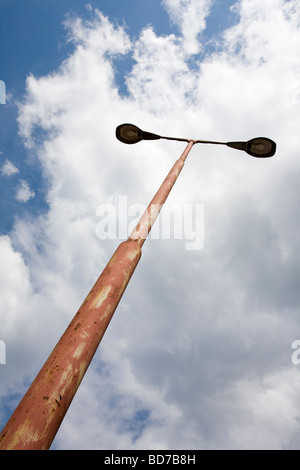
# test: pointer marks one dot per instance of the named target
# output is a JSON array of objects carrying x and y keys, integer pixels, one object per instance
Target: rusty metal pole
[
  {"x": 36, "y": 420},
  {"x": 148, "y": 218}
]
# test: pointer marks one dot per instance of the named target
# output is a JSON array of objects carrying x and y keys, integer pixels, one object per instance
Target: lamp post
[{"x": 36, "y": 420}]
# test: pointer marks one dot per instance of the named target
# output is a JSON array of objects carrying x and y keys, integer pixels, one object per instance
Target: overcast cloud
[{"x": 198, "y": 354}]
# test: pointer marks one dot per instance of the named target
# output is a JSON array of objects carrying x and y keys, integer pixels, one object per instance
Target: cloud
[
  {"x": 9, "y": 169},
  {"x": 19, "y": 321},
  {"x": 190, "y": 16},
  {"x": 24, "y": 193},
  {"x": 198, "y": 354}
]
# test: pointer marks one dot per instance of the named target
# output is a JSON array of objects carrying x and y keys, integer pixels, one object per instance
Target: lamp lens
[
  {"x": 128, "y": 134},
  {"x": 261, "y": 147}
]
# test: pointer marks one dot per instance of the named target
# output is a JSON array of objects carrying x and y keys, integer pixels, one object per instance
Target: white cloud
[
  {"x": 24, "y": 193},
  {"x": 8, "y": 168},
  {"x": 24, "y": 314},
  {"x": 191, "y": 18},
  {"x": 199, "y": 337}
]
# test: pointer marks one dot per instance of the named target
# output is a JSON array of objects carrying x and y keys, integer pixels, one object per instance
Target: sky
[{"x": 201, "y": 352}]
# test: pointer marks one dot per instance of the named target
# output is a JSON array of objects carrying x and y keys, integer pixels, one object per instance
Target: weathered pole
[{"x": 36, "y": 420}]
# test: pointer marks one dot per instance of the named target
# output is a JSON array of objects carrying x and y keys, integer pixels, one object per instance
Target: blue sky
[
  {"x": 33, "y": 40},
  {"x": 198, "y": 354}
]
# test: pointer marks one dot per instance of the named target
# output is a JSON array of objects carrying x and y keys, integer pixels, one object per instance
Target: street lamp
[
  {"x": 38, "y": 416},
  {"x": 260, "y": 147}
]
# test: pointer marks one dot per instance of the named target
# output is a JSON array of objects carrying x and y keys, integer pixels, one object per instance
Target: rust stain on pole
[{"x": 37, "y": 418}]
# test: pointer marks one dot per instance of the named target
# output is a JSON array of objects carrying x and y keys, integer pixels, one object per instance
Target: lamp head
[
  {"x": 260, "y": 147},
  {"x": 131, "y": 134}
]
